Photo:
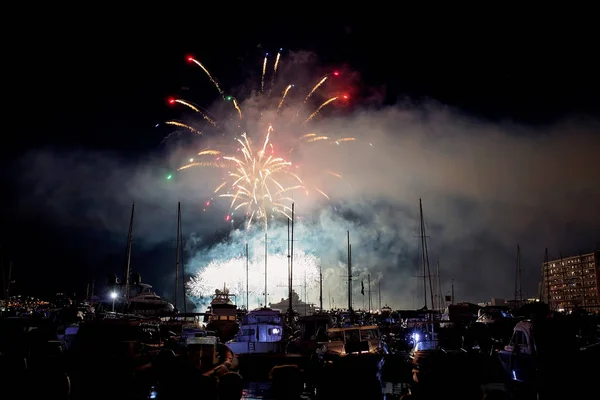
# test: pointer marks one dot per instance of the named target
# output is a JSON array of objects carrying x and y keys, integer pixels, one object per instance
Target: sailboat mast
[
  {"x": 266, "y": 256},
  {"x": 422, "y": 234},
  {"x": 349, "y": 274},
  {"x": 518, "y": 287},
  {"x": 177, "y": 255},
  {"x": 439, "y": 288},
  {"x": 321, "y": 288},
  {"x": 8, "y": 281},
  {"x": 291, "y": 265},
  {"x": 128, "y": 253},
  {"x": 379, "y": 287},
  {"x": 305, "y": 295},
  {"x": 181, "y": 248},
  {"x": 425, "y": 260},
  {"x": 290, "y": 286},
  {"x": 247, "y": 293},
  {"x": 369, "y": 283}
]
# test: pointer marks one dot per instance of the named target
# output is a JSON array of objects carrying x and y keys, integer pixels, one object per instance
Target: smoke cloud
[{"x": 485, "y": 188}]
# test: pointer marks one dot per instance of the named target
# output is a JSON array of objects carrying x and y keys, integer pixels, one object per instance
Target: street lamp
[{"x": 113, "y": 296}]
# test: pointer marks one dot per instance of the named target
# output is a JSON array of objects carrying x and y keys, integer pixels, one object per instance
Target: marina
[{"x": 138, "y": 340}]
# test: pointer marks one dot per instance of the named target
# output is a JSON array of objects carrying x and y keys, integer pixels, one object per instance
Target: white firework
[{"x": 231, "y": 273}]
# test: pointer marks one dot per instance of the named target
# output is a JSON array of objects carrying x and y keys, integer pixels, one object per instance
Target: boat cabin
[
  {"x": 261, "y": 331},
  {"x": 353, "y": 340}
]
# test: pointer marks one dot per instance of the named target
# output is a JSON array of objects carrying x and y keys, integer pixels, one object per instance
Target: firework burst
[
  {"x": 258, "y": 180},
  {"x": 231, "y": 272}
]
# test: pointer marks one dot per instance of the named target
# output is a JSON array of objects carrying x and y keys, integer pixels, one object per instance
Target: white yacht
[
  {"x": 261, "y": 331},
  {"x": 142, "y": 300}
]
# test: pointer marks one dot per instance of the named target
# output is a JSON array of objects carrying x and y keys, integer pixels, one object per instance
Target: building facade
[{"x": 573, "y": 282}]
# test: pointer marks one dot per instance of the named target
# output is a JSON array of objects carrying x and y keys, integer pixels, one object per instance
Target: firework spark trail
[
  {"x": 264, "y": 71},
  {"x": 277, "y": 61},
  {"x": 314, "y": 114},
  {"x": 322, "y": 81},
  {"x": 182, "y": 125},
  {"x": 213, "y": 80},
  {"x": 187, "y": 104},
  {"x": 285, "y": 92},
  {"x": 275, "y": 67},
  {"x": 237, "y": 107},
  {"x": 200, "y": 164},
  {"x": 196, "y": 109},
  {"x": 209, "y": 152}
]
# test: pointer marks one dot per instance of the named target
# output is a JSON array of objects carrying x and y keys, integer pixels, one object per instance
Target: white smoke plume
[{"x": 485, "y": 187}]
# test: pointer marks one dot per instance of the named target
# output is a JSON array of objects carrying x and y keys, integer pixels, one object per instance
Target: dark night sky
[{"x": 101, "y": 82}]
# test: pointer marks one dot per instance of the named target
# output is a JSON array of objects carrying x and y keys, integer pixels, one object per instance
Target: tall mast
[
  {"x": 379, "y": 287},
  {"x": 425, "y": 260},
  {"x": 247, "y": 263},
  {"x": 127, "y": 271},
  {"x": 441, "y": 300},
  {"x": 181, "y": 248},
  {"x": 305, "y": 295},
  {"x": 452, "y": 291},
  {"x": 177, "y": 254},
  {"x": 266, "y": 254},
  {"x": 518, "y": 287},
  {"x": 291, "y": 263},
  {"x": 349, "y": 274},
  {"x": 369, "y": 283},
  {"x": 289, "y": 257},
  {"x": 8, "y": 281},
  {"x": 321, "y": 288},
  {"x": 92, "y": 292}
]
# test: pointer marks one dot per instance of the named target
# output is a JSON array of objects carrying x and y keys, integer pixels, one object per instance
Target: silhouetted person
[
  {"x": 230, "y": 386},
  {"x": 288, "y": 382}
]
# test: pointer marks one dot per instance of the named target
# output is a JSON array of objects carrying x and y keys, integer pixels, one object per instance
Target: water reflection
[{"x": 256, "y": 390}]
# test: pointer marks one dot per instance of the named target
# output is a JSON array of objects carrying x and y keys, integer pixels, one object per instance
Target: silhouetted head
[
  {"x": 230, "y": 386},
  {"x": 288, "y": 382}
]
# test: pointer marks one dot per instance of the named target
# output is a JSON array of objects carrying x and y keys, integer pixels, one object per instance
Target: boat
[
  {"x": 137, "y": 298},
  {"x": 223, "y": 315},
  {"x": 131, "y": 296},
  {"x": 185, "y": 327},
  {"x": 261, "y": 332},
  {"x": 146, "y": 302},
  {"x": 351, "y": 340}
]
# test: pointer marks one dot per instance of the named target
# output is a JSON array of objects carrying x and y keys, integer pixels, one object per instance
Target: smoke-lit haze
[{"x": 485, "y": 187}]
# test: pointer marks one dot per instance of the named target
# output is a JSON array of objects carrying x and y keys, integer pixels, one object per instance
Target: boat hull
[{"x": 257, "y": 347}]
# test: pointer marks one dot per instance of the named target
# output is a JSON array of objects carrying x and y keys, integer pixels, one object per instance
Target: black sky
[{"x": 100, "y": 81}]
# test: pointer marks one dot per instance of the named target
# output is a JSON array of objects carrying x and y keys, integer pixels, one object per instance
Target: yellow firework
[{"x": 258, "y": 182}]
